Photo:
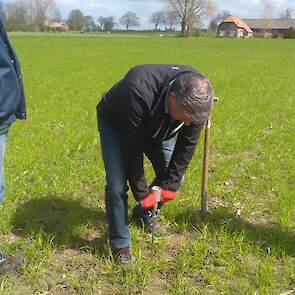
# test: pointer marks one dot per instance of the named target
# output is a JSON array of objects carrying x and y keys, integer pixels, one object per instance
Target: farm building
[
  {"x": 234, "y": 27},
  {"x": 57, "y": 26},
  {"x": 270, "y": 27}
]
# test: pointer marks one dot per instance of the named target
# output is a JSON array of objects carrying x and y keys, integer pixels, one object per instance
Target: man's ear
[{"x": 172, "y": 98}]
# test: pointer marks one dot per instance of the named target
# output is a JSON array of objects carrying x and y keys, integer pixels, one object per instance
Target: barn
[
  {"x": 270, "y": 27},
  {"x": 234, "y": 27}
]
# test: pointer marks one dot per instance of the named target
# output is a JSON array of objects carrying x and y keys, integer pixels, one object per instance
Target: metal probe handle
[
  {"x": 204, "y": 195},
  {"x": 156, "y": 189}
]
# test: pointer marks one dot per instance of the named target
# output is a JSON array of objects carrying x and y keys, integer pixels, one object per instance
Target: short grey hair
[{"x": 194, "y": 94}]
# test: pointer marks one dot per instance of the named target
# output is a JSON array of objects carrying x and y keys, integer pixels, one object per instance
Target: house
[
  {"x": 56, "y": 26},
  {"x": 59, "y": 27},
  {"x": 234, "y": 27},
  {"x": 270, "y": 27}
]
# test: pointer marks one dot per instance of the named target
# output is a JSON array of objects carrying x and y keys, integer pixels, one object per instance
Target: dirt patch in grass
[
  {"x": 260, "y": 218},
  {"x": 178, "y": 240},
  {"x": 169, "y": 247},
  {"x": 9, "y": 238},
  {"x": 216, "y": 202},
  {"x": 175, "y": 242},
  {"x": 157, "y": 284},
  {"x": 247, "y": 154},
  {"x": 75, "y": 272},
  {"x": 14, "y": 286},
  {"x": 252, "y": 262}
]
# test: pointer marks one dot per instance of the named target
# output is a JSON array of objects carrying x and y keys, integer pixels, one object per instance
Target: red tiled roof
[{"x": 238, "y": 22}]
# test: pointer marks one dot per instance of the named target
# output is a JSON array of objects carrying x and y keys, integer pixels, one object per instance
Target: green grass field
[{"x": 54, "y": 209}]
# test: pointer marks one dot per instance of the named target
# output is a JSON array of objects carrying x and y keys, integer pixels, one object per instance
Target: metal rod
[{"x": 204, "y": 195}]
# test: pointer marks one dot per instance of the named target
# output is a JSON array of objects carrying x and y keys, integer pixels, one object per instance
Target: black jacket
[
  {"x": 12, "y": 99},
  {"x": 136, "y": 106}
]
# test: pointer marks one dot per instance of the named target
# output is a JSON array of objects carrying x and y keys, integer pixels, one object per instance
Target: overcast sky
[{"x": 144, "y": 8}]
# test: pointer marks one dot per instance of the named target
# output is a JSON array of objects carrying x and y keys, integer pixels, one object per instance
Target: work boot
[
  {"x": 2, "y": 258},
  {"x": 11, "y": 265},
  {"x": 149, "y": 220},
  {"x": 155, "y": 227},
  {"x": 124, "y": 256}
]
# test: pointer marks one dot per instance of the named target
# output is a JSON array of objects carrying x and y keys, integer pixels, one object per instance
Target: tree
[
  {"x": 2, "y": 12},
  {"x": 158, "y": 18},
  {"x": 56, "y": 15},
  {"x": 76, "y": 20},
  {"x": 218, "y": 19},
  {"x": 129, "y": 19},
  {"x": 90, "y": 25},
  {"x": 171, "y": 19},
  {"x": 41, "y": 10},
  {"x": 108, "y": 23},
  {"x": 287, "y": 14},
  {"x": 267, "y": 11},
  {"x": 100, "y": 21},
  {"x": 291, "y": 33},
  {"x": 190, "y": 11},
  {"x": 18, "y": 17}
]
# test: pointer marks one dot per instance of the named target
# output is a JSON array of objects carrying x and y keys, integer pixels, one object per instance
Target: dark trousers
[{"x": 116, "y": 181}]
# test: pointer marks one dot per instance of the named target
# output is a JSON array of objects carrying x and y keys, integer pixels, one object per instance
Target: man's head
[{"x": 190, "y": 98}]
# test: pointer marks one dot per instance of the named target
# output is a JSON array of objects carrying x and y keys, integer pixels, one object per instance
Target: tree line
[
  {"x": 34, "y": 15},
  {"x": 27, "y": 15}
]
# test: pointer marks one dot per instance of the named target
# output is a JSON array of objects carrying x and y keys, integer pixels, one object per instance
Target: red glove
[
  {"x": 167, "y": 195},
  {"x": 150, "y": 200}
]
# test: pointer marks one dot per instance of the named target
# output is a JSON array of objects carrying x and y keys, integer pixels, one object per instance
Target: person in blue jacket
[{"x": 12, "y": 99}]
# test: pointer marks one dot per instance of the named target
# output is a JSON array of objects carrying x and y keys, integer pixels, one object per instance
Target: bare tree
[
  {"x": 267, "y": 11},
  {"x": 287, "y": 14},
  {"x": 108, "y": 23},
  {"x": 100, "y": 21},
  {"x": 158, "y": 18},
  {"x": 171, "y": 18},
  {"x": 129, "y": 19},
  {"x": 2, "y": 12},
  {"x": 190, "y": 11},
  {"x": 218, "y": 19},
  {"x": 17, "y": 13},
  {"x": 90, "y": 25},
  {"x": 30, "y": 6},
  {"x": 18, "y": 17},
  {"x": 41, "y": 8},
  {"x": 76, "y": 20},
  {"x": 56, "y": 15}
]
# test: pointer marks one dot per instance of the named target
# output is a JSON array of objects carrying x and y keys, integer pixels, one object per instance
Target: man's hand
[
  {"x": 153, "y": 197},
  {"x": 167, "y": 195},
  {"x": 150, "y": 200}
]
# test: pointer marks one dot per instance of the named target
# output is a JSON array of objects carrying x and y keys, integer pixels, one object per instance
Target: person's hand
[
  {"x": 167, "y": 195},
  {"x": 153, "y": 197},
  {"x": 150, "y": 200}
]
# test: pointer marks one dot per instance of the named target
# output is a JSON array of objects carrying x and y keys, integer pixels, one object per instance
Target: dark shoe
[
  {"x": 155, "y": 227},
  {"x": 123, "y": 256},
  {"x": 11, "y": 265},
  {"x": 149, "y": 220},
  {"x": 2, "y": 258}
]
